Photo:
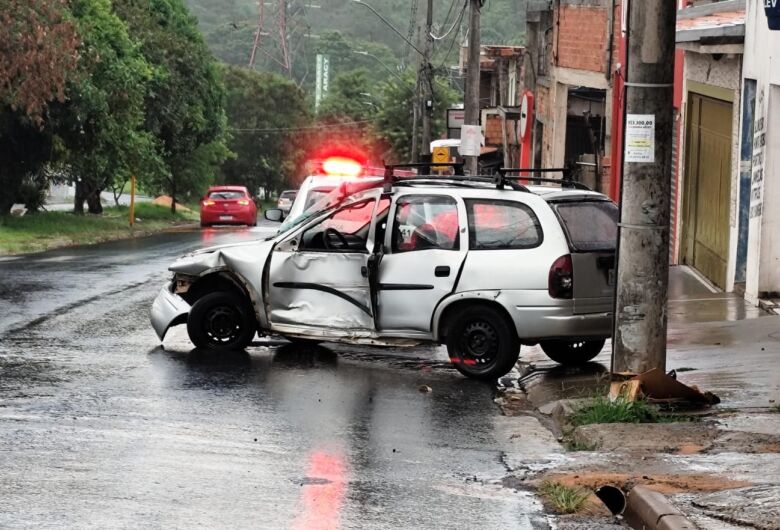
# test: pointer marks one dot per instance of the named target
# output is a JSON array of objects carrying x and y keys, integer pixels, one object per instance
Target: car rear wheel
[
  {"x": 221, "y": 321},
  {"x": 572, "y": 352},
  {"x": 204, "y": 225},
  {"x": 481, "y": 343}
]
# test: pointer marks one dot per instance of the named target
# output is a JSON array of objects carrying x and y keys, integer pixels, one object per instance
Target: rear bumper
[
  {"x": 168, "y": 310},
  {"x": 243, "y": 217},
  {"x": 538, "y": 323}
]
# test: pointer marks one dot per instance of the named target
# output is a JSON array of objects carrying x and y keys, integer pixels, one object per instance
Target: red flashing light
[{"x": 342, "y": 167}]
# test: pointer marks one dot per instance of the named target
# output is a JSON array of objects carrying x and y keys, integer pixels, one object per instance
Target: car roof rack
[
  {"x": 565, "y": 182},
  {"x": 391, "y": 178}
]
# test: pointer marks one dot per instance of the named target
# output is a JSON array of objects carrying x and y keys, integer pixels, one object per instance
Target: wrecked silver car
[{"x": 478, "y": 267}]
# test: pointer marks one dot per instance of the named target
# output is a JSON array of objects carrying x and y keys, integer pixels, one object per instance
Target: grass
[
  {"x": 602, "y": 410},
  {"x": 45, "y": 230},
  {"x": 775, "y": 409},
  {"x": 563, "y": 498}
]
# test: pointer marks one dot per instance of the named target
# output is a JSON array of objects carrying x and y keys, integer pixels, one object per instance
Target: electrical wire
[
  {"x": 454, "y": 24},
  {"x": 310, "y": 128},
  {"x": 449, "y": 12}
]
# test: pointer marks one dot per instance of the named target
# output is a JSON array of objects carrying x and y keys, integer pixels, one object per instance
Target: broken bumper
[{"x": 168, "y": 310}]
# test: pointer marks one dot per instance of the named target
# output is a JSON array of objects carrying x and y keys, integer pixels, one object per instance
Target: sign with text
[
  {"x": 772, "y": 10},
  {"x": 470, "y": 140},
  {"x": 455, "y": 118},
  {"x": 640, "y": 138}
]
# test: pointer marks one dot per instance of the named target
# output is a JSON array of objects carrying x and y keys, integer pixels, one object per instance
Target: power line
[
  {"x": 454, "y": 24},
  {"x": 311, "y": 128}
]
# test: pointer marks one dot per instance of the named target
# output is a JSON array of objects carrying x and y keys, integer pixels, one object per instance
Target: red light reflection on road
[
  {"x": 322, "y": 493},
  {"x": 207, "y": 235}
]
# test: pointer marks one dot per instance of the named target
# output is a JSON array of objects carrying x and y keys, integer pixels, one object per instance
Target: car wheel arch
[
  {"x": 449, "y": 308},
  {"x": 220, "y": 280}
]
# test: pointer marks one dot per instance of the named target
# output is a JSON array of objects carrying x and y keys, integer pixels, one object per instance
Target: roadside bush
[
  {"x": 563, "y": 498},
  {"x": 602, "y": 410}
]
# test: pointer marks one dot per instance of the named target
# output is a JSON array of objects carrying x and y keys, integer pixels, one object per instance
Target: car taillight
[
  {"x": 209, "y": 203},
  {"x": 561, "y": 279},
  {"x": 243, "y": 203}
]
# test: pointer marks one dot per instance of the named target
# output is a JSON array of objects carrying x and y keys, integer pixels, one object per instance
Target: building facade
[
  {"x": 572, "y": 54},
  {"x": 758, "y": 257}
]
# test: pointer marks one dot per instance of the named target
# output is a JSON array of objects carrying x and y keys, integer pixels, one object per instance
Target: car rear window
[
  {"x": 227, "y": 195},
  {"x": 590, "y": 225},
  {"x": 502, "y": 225}
]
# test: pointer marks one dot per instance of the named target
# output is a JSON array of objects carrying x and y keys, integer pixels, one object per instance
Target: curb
[{"x": 647, "y": 509}]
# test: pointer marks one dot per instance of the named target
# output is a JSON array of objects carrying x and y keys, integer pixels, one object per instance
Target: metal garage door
[{"x": 705, "y": 224}]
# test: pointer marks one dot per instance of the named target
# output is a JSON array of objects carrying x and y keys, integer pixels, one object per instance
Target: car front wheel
[
  {"x": 572, "y": 352},
  {"x": 481, "y": 343},
  {"x": 221, "y": 321}
]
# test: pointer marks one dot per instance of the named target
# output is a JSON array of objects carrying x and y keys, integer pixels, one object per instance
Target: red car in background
[{"x": 228, "y": 205}]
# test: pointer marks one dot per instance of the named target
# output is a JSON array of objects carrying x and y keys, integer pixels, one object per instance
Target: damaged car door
[
  {"x": 424, "y": 257},
  {"x": 318, "y": 277}
]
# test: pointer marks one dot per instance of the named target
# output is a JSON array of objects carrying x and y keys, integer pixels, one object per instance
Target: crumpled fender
[{"x": 244, "y": 261}]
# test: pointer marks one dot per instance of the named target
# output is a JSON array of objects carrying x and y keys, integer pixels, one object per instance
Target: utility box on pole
[{"x": 639, "y": 341}]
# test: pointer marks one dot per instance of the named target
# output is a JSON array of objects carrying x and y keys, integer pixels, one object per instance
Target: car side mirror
[{"x": 274, "y": 214}]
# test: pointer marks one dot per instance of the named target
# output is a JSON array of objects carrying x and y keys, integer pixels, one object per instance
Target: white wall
[{"x": 761, "y": 64}]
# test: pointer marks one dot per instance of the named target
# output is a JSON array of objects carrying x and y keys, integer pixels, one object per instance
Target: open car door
[{"x": 318, "y": 277}]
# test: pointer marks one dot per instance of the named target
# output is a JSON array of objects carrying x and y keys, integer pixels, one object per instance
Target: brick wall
[
  {"x": 581, "y": 39},
  {"x": 493, "y": 130}
]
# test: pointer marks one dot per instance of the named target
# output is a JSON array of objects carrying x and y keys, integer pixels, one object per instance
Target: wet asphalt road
[{"x": 102, "y": 427}]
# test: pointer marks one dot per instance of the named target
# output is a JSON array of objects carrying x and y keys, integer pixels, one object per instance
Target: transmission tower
[{"x": 281, "y": 33}]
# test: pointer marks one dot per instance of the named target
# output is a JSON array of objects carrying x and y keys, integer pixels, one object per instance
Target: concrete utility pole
[
  {"x": 471, "y": 99},
  {"x": 426, "y": 82},
  {"x": 639, "y": 342}
]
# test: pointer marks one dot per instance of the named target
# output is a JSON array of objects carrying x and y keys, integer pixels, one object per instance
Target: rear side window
[
  {"x": 591, "y": 225},
  {"x": 502, "y": 225}
]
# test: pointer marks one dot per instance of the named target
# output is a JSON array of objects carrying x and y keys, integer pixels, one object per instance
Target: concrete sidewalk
[{"x": 723, "y": 472}]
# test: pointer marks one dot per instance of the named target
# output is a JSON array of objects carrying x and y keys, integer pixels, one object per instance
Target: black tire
[
  {"x": 481, "y": 343},
  {"x": 204, "y": 225},
  {"x": 221, "y": 321},
  {"x": 572, "y": 352}
]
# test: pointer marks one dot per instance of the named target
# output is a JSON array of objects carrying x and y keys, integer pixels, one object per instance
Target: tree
[
  {"x": 37, "y": 52},
  {"x": 101, "y": 124},
  {"x": 350, "y": 98},
  {"x": 394, "y": 120},
  {"x": 260, "y": 109},
  {"x": 186, "y": 97}
]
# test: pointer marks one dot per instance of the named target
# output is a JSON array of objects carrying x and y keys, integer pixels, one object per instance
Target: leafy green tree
[
  {"x": 185, "y": 100},
  {"x": 101, "y": 124},
  {"x": 37, "y": 52},
  {"x": 261, "y": 110},
  {"x": 350, "y": 98},
  {"x": 394, "y": 120}
]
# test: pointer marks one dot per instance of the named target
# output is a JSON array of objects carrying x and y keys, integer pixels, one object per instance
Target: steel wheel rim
[
  {"x": 223, "y": 324},
  {"x": 479, "y": 344}
]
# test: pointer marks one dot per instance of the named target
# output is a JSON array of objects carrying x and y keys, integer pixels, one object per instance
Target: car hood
[{"x": 246, "y": 259}]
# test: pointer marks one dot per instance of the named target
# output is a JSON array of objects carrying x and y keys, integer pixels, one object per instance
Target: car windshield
[
  {"x": 226, "y": 195},
  {"x": 328, "y": 200}
]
